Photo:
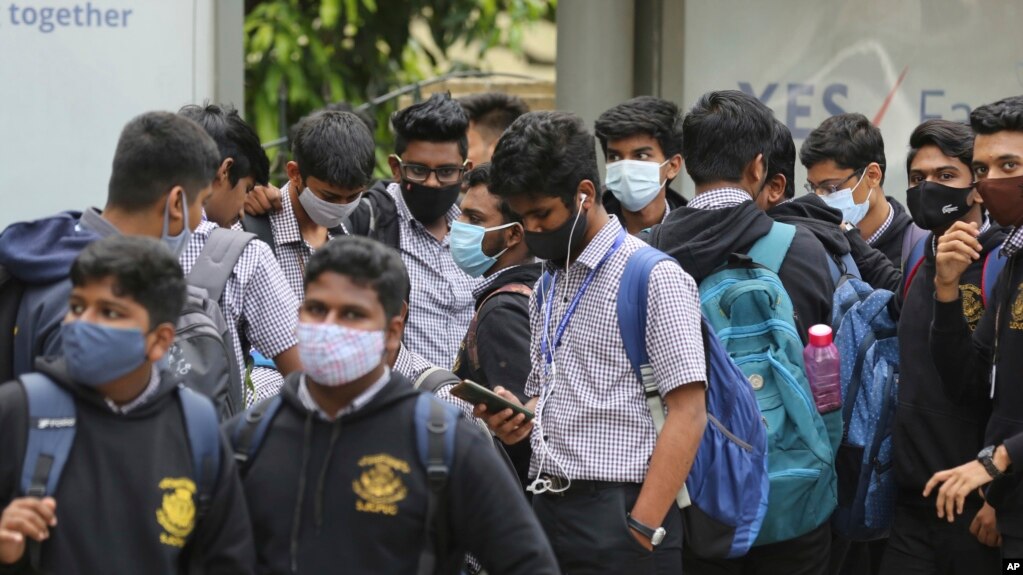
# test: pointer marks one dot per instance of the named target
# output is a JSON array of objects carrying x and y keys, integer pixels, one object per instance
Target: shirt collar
[
  {"x": 285, "y": 223},
  {"x": 358, "y": 403},
  {"x": 142, "y": 398},
  {"x": 600, "y": 244},
  {"x": 486, "y": 282},
  {"x": 719, "y": 198},
  {"x": 884, "y": 227},
  {"x": 1013, "y": 242}
]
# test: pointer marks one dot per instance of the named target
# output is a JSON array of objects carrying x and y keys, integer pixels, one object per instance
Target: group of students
[{"x": 497, "y": 253}]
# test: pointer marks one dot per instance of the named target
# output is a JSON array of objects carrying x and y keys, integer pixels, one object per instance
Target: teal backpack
[{"x": 749, "y": 309}]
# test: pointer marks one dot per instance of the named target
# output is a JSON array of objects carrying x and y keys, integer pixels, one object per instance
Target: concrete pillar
[{"x": 229, "y": 61}]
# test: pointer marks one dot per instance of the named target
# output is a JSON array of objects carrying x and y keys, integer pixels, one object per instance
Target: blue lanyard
[{"x": 545, "y": 348}]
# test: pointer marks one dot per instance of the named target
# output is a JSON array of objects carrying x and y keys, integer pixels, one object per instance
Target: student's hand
[
  {"x": 25, "y": 517},
  {"x": 956, "y": 250},
  {"x": 263, "y": 200},
  {"x": 958, "y": 483},
  {"x": 984, "y": 528},
  {"x": 508, "y": 426}
]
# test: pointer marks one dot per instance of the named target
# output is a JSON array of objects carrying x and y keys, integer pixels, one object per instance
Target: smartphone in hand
[{"x": 475, "y": 394}]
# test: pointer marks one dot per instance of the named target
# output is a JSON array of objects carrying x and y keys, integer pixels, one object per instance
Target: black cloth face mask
[
  {"x": 426, "y": 203},
  {"x": 935, "y": 206},
  {"x": 553, "y": 245}
]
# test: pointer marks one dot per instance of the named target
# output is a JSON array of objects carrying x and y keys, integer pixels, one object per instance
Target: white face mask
[
  {"x": 334, "y": 355},
  {"x": 634, "y": 182},
  {"x": 843, "y": 201},
  {"x": 324, "y": 213}
]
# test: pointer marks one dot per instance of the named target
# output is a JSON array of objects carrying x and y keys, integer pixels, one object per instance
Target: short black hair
[
  {"x": 439, "y": 119},
  {"x": 493, "y": 112},
  {"x": 367, "y": 119},
  {"x": 658, "y": 118},
  {"x": 366, "y": 262},
  {"x": 235, "y": 138},
  {"x": 545, "y": 154},
  {"x": 850, "y": 140},
  {"x": 954, "y": 139},
  {"x": 723, "y": 133},
  {"x": 335, "y": 147},
  {"x": 156, "y": 152},
  {"x": 1004, "y": 115},
  {"x": 480, "y": 176},
  {"x": 142, "y": 268},
  {"x": 782, "y": 159}
]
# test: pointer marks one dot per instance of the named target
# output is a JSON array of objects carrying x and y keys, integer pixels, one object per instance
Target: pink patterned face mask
[{"x": 335, "y": 355}]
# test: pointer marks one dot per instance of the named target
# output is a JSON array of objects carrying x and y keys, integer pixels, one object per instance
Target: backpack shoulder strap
[
  {"x": 434, "y": 378},
  {"x": 250, "y": 430},
  {"x": 850, "y": 266},
  {"x": 912, "y": 262},
  {"x": 910, "y": 238},
  {"x": 771, "y": 249},
  {"x": 261, "y": 226},
  {"x": 993, "y": 265},
  {"x": 471, "y": 338},
  {"x": 51, "y": 433},
  {"x": 11, "y": 290},
  {"x": 217, "y": 259},
  {"x": 436, "y": 424},
  {"x": 203, "y": 431}
]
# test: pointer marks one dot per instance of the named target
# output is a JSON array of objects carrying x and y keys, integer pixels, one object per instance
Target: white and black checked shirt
[
  {"x": 441, "y": 304},
  {"x": 293, "y": 251},
  {"x": 1014, "y": 242},
  {"x": 150, "y": 390},
  {"x": 358, "y": 403},
  {"x": 257, "y": 300},
  {"x": 719, "y": 199},
  {"x": 884, "y": 227},
  {"x": 412, "y": 365},
  {"x": 596, "y": 420}
]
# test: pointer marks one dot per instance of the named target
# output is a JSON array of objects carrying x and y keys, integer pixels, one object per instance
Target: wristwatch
[
  {"x": 985, "y": 457},
  {"x": 655, "y": 535}
]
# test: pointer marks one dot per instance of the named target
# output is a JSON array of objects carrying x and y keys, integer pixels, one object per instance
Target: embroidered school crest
[
  {"x": 380, "y": 487},
  {"x": 1016, "y": 321},
  {"x": 177, "y": 513},
  {"x": 973, "y": 306}
]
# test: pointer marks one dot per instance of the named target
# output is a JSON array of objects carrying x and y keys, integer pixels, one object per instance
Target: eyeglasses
[
  {"x": 419, "y": 173},
  {"x": 830, "y": 188}
]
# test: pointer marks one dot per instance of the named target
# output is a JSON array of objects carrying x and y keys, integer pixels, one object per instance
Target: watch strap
[
  {"x": 646, "y": 530},
  {"x": 987, "y": 460}
]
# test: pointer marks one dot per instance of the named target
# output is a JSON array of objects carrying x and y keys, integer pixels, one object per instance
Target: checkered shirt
[
  {"x": 257, "y": 301},
  {"x": 596, "y": 420},
  {"x": 412, "y": 365},
  {"x": 1013, "y": 243},
  {"x": 358, "y": 403},
  {"x": 884, "y": 227},
  {"x": 141, "y": 399},
  {"x": 293, "y": 251},
  {"x": 719, "y": 199},
  {"x": 441, "y": 305}
]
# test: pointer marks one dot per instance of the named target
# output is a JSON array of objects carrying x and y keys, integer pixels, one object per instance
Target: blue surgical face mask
[
  {"x": 97, "y": 354},
  {"x": 178, "y": 243},
  {"x": 843, "y": 201},
  {"x": 634, "y": 182},
  {"x": 467, "y": 247}
]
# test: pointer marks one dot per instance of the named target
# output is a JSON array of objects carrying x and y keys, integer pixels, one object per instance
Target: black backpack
[
  {"x": 376, "y": 217},
  {"x": 11, "y": 290}
]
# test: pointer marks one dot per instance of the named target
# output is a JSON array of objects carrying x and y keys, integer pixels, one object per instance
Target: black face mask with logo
[{"x": 936, "y": 206}]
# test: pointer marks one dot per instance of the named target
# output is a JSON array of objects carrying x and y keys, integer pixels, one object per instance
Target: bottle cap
[{"x": 820, "y": 335}]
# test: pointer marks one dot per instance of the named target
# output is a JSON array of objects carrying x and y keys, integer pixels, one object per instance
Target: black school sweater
[
  {"x": 931, "y": 432},
  {"x": 109, "y": 494},
  {"x": 702, "y": 240},
  {"x": 964, "y": 364},
  {"x": 350, "y": 495}
]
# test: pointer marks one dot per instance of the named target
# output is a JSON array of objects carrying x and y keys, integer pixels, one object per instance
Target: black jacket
[
  {"x": 702, "y": 240},
  {"x": 964, "y": 364},
  {"x": 812, "y": 213},
  {"x": 502, "y": 346},
  {"x": 304, "y": 485},
  {"x": 891, "y": 241},
  {"x": 931, "y": 432},
  {"x": 109, "y": 493}
]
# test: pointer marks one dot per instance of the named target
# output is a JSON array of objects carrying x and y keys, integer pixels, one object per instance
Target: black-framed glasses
[
  {"x": 419, "y": 173},
  {"x": 831, "y": 188}
]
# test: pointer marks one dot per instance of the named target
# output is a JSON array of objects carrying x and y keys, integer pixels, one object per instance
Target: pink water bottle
[{"x": 823, "y": 369}]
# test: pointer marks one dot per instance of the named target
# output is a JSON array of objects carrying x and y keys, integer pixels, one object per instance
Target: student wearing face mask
[
  {"x": 337, "y": 478},
  {"x": 162, "y": 173},
  {"x": 487, "y": 241},
  {"x": 642, "y": 143},
  {"x": 845, "y": 165},
  {"x": 932, "y": 432},
  {"x": 125, "y": 497},
  {"x": 985, "y": 363},
  {"x": 414, "y": 215},
  {"x": 602, "y": 478}
]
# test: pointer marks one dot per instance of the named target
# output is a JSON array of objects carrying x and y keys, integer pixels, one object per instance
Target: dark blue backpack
[
  {"x": 724, "y": 499},
  {"x": 435, "y": 423}
]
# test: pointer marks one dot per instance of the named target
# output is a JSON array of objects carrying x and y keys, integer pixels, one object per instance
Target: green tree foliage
[{"x": 301, "y": 54}]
